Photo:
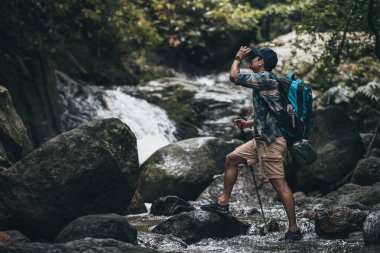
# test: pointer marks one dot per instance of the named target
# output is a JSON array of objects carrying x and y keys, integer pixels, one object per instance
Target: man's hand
[
  {"x": 243, "y": 52},
  {"x": 242, "y": 123}
]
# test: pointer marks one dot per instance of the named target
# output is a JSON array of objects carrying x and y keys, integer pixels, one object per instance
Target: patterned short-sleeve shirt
[{"x": 264, "y": 121}]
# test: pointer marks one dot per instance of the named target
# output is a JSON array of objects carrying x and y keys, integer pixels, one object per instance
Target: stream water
[
  {"x": 252, "y": 242},
  {"x": 153, "y": 130}
]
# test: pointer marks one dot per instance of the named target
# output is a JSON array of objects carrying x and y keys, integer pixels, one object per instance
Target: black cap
[{"x": 269, "y": 56}]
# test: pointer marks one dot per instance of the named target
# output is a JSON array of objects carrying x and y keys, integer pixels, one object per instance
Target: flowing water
[
  {"x": 82, "y": 103},
  {"x": 154, "y": 129},
  {"x": 253, "y": 241}
]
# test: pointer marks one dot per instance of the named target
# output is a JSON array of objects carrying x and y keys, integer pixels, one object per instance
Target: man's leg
[
  {"x": 230, "y": 176},
  {"x": 245, "y": 152},
  {"x": 287, "y": 199}
]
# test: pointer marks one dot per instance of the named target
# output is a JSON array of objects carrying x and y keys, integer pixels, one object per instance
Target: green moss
[{"x": 179, "y": 109}]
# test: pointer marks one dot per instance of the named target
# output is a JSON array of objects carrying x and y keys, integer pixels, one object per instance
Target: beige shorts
[{"x": 270, "y": 158}]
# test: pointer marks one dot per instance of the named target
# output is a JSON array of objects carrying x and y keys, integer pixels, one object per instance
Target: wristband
[{"x": 238, "y": 58}]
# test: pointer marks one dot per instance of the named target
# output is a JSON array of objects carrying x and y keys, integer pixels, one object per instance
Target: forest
[{"x": 135, "y": 41}]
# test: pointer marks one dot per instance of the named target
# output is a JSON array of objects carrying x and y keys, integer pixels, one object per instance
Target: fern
[
  {"x": 370, "y": 90},
  {"x": 338, "y": 94}
]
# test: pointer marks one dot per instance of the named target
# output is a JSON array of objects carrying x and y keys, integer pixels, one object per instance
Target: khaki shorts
[{"x": 270, "y": 158}]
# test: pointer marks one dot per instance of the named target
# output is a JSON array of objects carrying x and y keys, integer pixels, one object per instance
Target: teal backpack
[{"x": 297, "y": 101}]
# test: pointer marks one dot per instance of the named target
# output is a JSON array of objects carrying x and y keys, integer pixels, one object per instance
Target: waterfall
[{"x": 82, "y": 103}]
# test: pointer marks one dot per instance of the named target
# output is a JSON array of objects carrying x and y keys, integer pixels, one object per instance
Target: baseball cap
[{"x": 269, "y": 56}]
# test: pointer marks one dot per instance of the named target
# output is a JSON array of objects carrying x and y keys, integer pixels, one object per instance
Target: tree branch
[
  {"x": 337, "y": 57},
  {"x": 373, "y": 139}
]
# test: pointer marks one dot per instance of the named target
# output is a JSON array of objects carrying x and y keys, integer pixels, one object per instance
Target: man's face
[{"x": 256, "y": 63}]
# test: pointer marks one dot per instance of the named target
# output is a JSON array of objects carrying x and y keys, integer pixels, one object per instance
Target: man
[{"x": 268, "y": 145}]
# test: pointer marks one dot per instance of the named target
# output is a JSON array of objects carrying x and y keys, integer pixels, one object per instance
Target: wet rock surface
[
  {"x": 170, "y": 205},
  {"x": 84, "y": 245},
  {"x": 339, "y": 148},
  {"x": 197, "y": 225},
  {"x": 100, "y": 226},
  {"x": 367, "y": 171},
  {"x": 88, "y": 170},
  {"x": 353, "y": 193},
  {"x": 180, "y": 166},
  {"x": 137, "y": 205},
  {"x": 14, "y": 139},
  {"x": 371, "y": 228},
  {"x": 339, "y": 222}
]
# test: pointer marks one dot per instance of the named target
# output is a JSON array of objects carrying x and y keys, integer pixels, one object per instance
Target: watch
[{"x": 238, "y": 58}]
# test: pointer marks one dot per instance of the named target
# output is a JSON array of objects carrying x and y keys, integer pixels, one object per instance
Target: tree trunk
[{"x": 373, "y": 29}]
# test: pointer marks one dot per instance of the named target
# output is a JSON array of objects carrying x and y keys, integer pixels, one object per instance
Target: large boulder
[
  {"x": 352, "y": 193},
  {"x": 367, "y": 171},
  {"x": 89, "y": 170},
  {"x": 338, "y": 222},
  {"x": 14, "y": 140},
  {"x": 183, "y": 168},
  {"x": 371, "y": 228},
  {"x": 339, "y": 148},
  {"x": 99, "y": 226},
  {"x": 197, "y": 225}
]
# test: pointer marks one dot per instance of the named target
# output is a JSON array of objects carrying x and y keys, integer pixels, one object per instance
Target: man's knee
[{"x": 233, "y": 159}]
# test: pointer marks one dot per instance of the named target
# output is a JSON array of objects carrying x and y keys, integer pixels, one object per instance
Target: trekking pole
[{"x": 254, "y": 181}]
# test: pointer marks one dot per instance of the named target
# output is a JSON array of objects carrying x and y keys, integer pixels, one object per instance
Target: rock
[
  {"x": 371, "y": 228},
  {"x": 338, "y": 222},
  {"x": 273, "y": 226},
  {"x": 162, "y": 243},
  {"x": 14, "y": 139},
  {"x": 4, "y": 161},
  {"x": 88, "y": 170},
  {"x": 84, "y": 245},
  {"x": 367, "y": 138},
  {"x": 183, "y": 168},
  {"x": 367, "y": 171},
  {"x": 170, "y": 205},
  {"x": 137, "y": 205},
  {"x": 194, "y": 226},
  {"x": 254, "y": 211},
  {"x": 353, "y": 193},
  {"x": 339, "y": 148},
  {"x": 29, "y": 76},
  {"x": 99, "y": 226},
  {"x": 375, "y": 152}
]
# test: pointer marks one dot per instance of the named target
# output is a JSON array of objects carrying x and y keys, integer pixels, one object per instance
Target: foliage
[
  {"x": 184, "y": 29},
  {"x": 371, "y": 90},
  {"x": 350, "y": 37},
  {"x": 358, "y": 90}
]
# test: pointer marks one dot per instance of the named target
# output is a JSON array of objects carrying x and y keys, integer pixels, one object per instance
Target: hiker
[{"x": 268, "y": 145}]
